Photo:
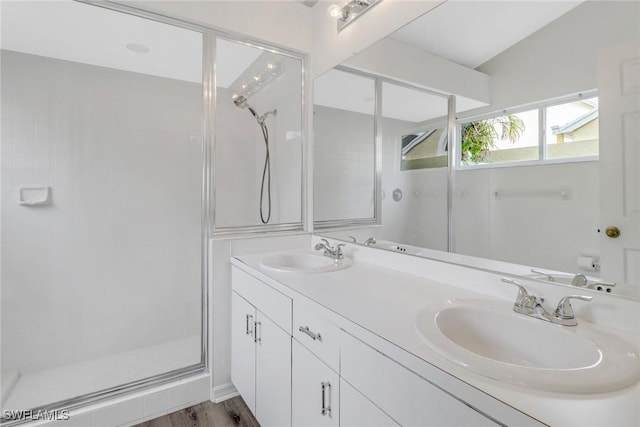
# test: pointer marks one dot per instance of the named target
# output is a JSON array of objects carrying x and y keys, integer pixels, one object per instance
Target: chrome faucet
[
  {"x": 369, "y": 241},
  {"x": 330, "y": 251},
  {"x": 533, "y": 306}
]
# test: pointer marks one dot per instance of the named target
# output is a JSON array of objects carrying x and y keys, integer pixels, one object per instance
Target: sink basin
[
  {"x": 303, "y": 262},
  {"x": 488, "y": 338}
]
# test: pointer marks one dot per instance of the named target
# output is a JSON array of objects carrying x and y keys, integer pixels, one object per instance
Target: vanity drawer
[
  {"x": 313, "y": 329},
  {"x": 271, "y": 303},
  {"x": 406, "y": 397}
]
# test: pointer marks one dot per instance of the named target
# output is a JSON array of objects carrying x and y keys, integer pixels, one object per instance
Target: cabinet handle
[
  {"x": 257, "y": 337},
  {"x": 326, "y": 398},
  {"x": 249, "y": 331},
  {"x": 307, "y": 331}
]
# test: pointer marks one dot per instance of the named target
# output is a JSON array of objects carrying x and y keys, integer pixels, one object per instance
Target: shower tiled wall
[
  {"x": 113, "y": 262},
  {"x": 344, "y": 145}
]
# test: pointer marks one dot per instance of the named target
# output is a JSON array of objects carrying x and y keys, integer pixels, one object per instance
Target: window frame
[{"x": 541, "y": 106}]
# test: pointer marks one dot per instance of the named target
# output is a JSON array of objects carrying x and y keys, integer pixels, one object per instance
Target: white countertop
[{"x": 385, "y": 302}]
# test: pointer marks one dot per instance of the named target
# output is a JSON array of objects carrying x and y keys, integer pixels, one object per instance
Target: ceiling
[
  {"x": 470, "y": 33},
  {"x": 87, "y": 34}
]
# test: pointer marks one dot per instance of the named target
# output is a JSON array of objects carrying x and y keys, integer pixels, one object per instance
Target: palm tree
[{"x": 478, "y": 138}]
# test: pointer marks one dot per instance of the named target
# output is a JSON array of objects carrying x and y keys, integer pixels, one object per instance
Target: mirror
[
  {"x": 413, "y": 194},
  {"x": 532, "y": 203},
  {"x": 344, "y": 148}
]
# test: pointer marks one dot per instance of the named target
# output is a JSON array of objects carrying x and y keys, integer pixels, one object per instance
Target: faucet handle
[
  {"x": 522, "y": 292},
  {"x": 548, "y": 276},
  {"x": 353, "y": 239},
  {"x": 564, "y": 310},
  {"x": 579, "y": 280}
]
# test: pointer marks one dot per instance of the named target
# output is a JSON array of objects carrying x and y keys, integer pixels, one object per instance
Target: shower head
[{"x": 240, "y": 101}]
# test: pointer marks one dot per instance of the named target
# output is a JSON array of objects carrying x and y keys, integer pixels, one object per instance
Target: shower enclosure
[
  {"x": 102, "y": 203},
  {"x": 110, "y": 169}
]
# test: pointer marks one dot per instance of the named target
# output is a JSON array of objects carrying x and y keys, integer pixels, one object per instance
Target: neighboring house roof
[
  {"x": 417, "y": 140},
  {"x": 575, "y": 124}
]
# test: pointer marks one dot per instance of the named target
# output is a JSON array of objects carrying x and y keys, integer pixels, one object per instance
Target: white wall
[
  {"x": 560, "y": 58},
  {"x": 545, "y": 231},
  {"x": 113, "y": 263}
]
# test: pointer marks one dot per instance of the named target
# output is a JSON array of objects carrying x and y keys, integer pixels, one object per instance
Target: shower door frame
[{"x": 209, "y": 36}]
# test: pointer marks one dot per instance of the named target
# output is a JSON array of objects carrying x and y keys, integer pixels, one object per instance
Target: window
[
  {"x": 506, "y": 138},
  {"x": 570, "y": 131},
  {"x": 424, "y": 150}
]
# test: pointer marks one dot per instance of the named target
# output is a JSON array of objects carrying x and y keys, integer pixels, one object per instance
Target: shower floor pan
[{"x": 34, "y": 389}]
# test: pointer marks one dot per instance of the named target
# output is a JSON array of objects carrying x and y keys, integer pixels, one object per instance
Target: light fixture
[
  {"x": 352, "y": 10},
  {"x": 334, "y": 11},
  {"x": 265, "y": 69}
]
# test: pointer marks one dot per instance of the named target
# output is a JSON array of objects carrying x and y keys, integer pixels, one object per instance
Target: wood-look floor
[{"x": 230, "y": 413}]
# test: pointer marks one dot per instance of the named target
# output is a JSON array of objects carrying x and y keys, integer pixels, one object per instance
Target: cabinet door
[
  {"x": 316, "y": 390},
  {"x": 358, "y": 411},
  {"x": 408, "y": 398},
  {"x": 273, "y": 374},
  {"x": 243, "y": 356}
]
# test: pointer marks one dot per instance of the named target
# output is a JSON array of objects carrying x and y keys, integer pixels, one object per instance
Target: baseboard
[{"x": 223, "y": 392}]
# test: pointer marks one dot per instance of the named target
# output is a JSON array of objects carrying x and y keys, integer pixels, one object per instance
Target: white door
[
  {"x": 358, "y": 411},
  {"x": 315, "y": 393},
  {"x": 243, "y": 353},
  {"x": 619, "y": 105},
  {"x": 273, "y": 374}
]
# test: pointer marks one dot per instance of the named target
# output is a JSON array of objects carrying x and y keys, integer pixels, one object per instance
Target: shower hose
[{"x": 266, "y": 176}]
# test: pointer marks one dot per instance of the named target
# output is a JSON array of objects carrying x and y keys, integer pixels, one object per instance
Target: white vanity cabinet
[
  {"x": 405, "y": 396},
  {"x": 261, "y": 349},
  {"x": 297, "y": 363},
  {"x": 358, "y": 411},
  {"x": 315, "y": 391},
  {"x": 316, "y": 363},
  {"x": 243, "y": 349}
]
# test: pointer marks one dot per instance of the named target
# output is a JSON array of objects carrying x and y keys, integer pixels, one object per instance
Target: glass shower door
[{"x": 102, "y": 153}]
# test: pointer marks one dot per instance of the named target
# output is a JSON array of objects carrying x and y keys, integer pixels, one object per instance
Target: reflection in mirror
[
  {"x": 414, "y": 166},
  {"x": 424, "y": 149},
  {"x": 534, "y": 201},
  {"x": 344, "y": 148},
  {"x": 258, "y": 138}
]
